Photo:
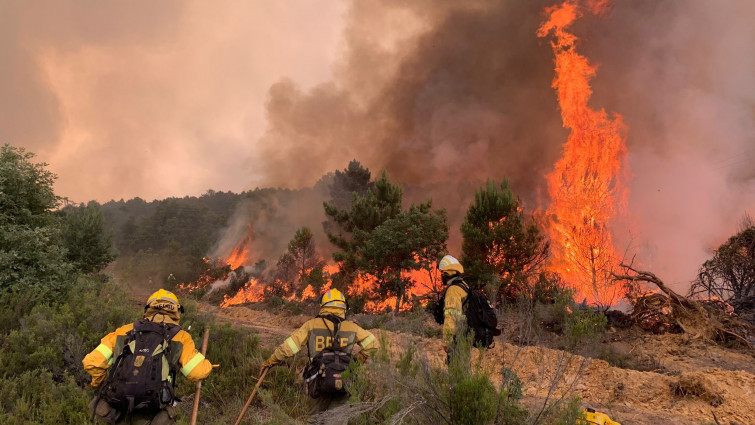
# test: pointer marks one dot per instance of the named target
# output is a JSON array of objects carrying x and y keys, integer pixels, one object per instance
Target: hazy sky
[{"x": 154, "y": 99}]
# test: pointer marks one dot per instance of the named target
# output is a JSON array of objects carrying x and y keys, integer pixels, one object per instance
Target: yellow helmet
[
  {"x": 163, "y": 295},
  {"x": 449, "y": 264},
  {"x": 333, "y": 298}
]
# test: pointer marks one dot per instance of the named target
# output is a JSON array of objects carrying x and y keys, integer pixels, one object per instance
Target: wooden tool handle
[
  {"x": 195, "y": 409},
  {"x": 249, "y": 402}
]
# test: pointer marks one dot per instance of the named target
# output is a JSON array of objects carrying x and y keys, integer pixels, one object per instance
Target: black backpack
[
  {"x": 324, "y": 373},
  {"x": 481, "y": 317},
  {"x": 143, "y": 374}
]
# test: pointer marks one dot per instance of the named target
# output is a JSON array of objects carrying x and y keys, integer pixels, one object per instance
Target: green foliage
[
  {"x": 354, "y": 179},
  {"x": 378, "y": 204},
  {"x": 411, "y": 391},
  {"x": 410, "y": 241},
  {"x": 37, "y": 398},
  {"x": 570, "y": 413},
  {"x": 474, "y": 400},
  {"x": 583, "y": 329},
  {"x": 548, "y": 288},
  {"x": 31, "y": 251},
  {"x": 26, "y": 192},
  {"x": 87, "y": 244},
  {"x": 380, "y": 240},
  {"x": 56, "y": 337},
  {"x": 499, "y": 243}
]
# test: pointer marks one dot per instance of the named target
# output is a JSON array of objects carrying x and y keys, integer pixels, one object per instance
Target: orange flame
[
  {"x": 240, "y": 254},
  {"x": 252, "y": 292},
  {"x": 425, "y": 281},
  {"x": 586, "y": 185}
]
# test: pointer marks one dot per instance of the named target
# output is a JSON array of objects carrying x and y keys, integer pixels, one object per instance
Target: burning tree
[
  {"x": 380, "y": 241},
  {"x": 300, "y": 263},
  {"x": 499, "y": 242},
  {"x": 586, "y": 185},
  {"x": 730, "y": 274}
]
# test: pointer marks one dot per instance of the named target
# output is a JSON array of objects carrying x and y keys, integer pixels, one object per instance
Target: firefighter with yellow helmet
[
  {"x": 329, "y": 339},
  {"x": 119, "y": 363},
  {"x": 453, "y": 310}
]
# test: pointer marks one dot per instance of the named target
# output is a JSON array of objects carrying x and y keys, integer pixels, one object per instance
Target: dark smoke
[{"x": 447, "y": 94}]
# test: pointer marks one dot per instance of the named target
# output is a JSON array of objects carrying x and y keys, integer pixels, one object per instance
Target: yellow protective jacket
[
  {"x": 193, "y": 364},
  {"x": 596, "y": 418},
  {"x": 454, "y": 313},
  {"x": 317, "y": 333}
]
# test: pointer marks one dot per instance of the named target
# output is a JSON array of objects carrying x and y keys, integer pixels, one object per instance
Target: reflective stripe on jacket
[
  {"x": 193, "y": 364},
  {"x": 453, "y": 309},
  {"x": 317, "y": 334}
]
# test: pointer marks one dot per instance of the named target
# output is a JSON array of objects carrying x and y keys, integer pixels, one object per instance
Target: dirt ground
[{"x": 689, "y": 382}]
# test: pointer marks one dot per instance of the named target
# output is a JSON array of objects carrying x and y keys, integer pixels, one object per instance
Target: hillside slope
[{"x": 695, "y": 379}]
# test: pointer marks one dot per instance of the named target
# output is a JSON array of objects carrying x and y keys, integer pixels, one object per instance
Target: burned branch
[{"x": 690, "y": 316}]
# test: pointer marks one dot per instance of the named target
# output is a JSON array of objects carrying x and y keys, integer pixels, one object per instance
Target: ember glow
[{"x": 587, "y": 184}]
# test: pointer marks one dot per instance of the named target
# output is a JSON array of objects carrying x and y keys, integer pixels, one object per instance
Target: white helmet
[{"x": 449, "y": 264}]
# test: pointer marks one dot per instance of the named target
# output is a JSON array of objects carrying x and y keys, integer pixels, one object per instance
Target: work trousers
[
  {"x": 323, "y": 403},
  {"x": 166, "y": 416}
]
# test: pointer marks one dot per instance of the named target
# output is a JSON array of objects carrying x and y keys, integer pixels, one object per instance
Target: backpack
[
  {"x": 481, "y": 317},
  {"x": 143, "y": 374},
  {"x": 324, "y": 374}
]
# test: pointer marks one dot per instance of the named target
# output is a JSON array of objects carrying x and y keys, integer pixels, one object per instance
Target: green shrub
[
  {"x": 474, "y": 400},
  {"x": 35, "y": 398}
]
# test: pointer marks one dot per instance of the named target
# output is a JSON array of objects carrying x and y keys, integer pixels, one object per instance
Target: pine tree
[
  {"x": 498, "y": 242},
  {"x": 380, "y": 240}
]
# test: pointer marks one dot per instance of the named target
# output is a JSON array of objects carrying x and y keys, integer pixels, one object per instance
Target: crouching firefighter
[
  {"x": 135, "y": 367},
  {"x": 329, "y": 338}
]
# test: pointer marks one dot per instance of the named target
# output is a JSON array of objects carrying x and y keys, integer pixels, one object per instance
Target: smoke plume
[
  {"x": 442, "y": 94},
  {"x": 167, "y": 98}
]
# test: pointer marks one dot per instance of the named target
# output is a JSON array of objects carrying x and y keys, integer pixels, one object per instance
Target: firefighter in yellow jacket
[
  {"x": 162, "y": 309},
  {"x": 453, "y": 310},
  {"x": 319, "y": 334}
]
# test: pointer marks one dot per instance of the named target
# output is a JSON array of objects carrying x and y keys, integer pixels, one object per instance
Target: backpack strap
[
  {"x": 336, "y": 327},
  {"x": 458, "y": 281},
  {"x": 170, "y": 332}
]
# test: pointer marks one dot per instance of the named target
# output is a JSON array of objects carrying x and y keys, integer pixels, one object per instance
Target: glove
[
  {"x": 361, "y": 357},
  {"x": 269, "y": 363}
]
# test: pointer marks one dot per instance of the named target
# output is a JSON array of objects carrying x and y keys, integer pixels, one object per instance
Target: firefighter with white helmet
[
  {"x": 453, "y": 310},
  {"x": 327, "y": 336}
]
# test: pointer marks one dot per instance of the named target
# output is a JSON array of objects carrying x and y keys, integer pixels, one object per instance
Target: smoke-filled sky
[
  {"x": 154, "y": 99},
  {"x": 171, "y": 98}
]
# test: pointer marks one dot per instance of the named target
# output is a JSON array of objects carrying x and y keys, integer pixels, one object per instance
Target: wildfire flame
[
  {"x": 240, "y": 254},
  {"x": 425, "y": 281},
  {"x": 586, "y": 186},
  {"x": 252, "y": 292}
]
